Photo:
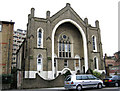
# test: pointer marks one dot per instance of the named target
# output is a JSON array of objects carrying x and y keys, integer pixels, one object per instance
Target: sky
[{"x": 106, "y": 11}]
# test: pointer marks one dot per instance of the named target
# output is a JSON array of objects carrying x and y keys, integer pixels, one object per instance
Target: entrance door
[{"x": 77, "y": 63}]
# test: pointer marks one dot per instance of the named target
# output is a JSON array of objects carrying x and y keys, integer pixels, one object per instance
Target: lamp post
[{"x": 105, "y": 57}]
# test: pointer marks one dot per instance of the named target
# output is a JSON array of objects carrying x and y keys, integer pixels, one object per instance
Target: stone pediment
[{"x": 67, "y": 13}]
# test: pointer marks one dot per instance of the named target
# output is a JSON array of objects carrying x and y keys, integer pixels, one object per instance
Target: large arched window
[
  {"x": 94, "y": 43},
  {"x": 64, "y": 46},
  {"x": 39, "y": 62},
  {"x": 39, "y": 38}
]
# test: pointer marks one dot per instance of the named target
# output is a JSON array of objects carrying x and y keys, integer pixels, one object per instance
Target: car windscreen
[
  {"x": 68, "y": 78},
  {"x": 111, "y": 76}
]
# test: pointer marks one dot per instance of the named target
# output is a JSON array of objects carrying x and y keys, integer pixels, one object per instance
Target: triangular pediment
[{"x": 68, "y": 13}]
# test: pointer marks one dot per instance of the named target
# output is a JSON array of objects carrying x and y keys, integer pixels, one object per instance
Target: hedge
[{"x": 7, "y": 78}]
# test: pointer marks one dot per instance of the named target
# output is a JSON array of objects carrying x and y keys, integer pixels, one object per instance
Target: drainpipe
[
  {"x": 8, "y": 57},
  {"x": 105, "y": 62}
]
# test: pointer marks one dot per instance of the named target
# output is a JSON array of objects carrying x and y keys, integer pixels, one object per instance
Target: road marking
[{"x": 112, "y": 88}]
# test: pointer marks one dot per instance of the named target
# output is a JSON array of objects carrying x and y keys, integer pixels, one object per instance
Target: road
[{"x": 62, "y": 89}]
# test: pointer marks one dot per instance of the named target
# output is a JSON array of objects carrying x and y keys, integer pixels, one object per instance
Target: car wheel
[
  {"x": 116, "y": 84},
  {"x": 79, "y": 88},
  {"x": 99, "y": 86}
]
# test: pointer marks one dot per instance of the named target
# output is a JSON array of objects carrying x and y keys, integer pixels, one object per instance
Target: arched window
[
  {"x": 95, "y": 63},
  {"x": 94, "y": 43},
  {"x": 39, "y": 38},
  {"x": 64, "y": 46},
  {"x": 39, "y": 62}
]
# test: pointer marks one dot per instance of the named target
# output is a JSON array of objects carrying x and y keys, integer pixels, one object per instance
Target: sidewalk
[
  {"x": 54, "y": 88},
  {"x": 36, "y": 89}
]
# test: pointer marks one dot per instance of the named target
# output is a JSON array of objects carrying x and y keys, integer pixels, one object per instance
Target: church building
[{"x": 60, "y": 43}]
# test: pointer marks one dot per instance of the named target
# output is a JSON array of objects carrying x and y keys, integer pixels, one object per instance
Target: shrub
[
  {"x": 89, "y": 71},
  {"x": 7, "y": 79},
  {"x": 67, "y": 73},
  {"x": 115, "y": 73},
  {"x": 97, "y": 74}
]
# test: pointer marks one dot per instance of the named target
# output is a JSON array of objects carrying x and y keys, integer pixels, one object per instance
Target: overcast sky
[{"x": 106, "y": 11}]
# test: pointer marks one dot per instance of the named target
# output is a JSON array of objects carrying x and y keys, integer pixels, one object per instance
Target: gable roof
[{"x": 63, "y": 10}]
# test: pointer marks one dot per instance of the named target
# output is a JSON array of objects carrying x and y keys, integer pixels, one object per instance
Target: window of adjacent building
[
  {"x": 15, "y": 37},
  {"x": 94, "y": 43},
  {"x": 110, "y": 65},
  {"x": 64, "y": 46},
  {"x": 40, "y": 38},
  {"x": 39, "y": 62},
  {"x": 0, "y": 28}
]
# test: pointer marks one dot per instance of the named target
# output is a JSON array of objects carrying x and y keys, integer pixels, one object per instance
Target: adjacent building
[
  {"x": 18, "y": 37},
  {"x": 117, "y": 56},
  {"x": 6, "y": 45},
  {"x": 113, "y": 64}
]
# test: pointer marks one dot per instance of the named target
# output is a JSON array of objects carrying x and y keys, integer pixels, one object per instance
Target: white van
[{"x": 82, "y": 81}]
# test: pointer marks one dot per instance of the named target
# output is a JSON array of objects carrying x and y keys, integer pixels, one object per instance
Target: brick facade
[
  {"x": 6, "y": 45},
  {"x": 65, "y": 28}
]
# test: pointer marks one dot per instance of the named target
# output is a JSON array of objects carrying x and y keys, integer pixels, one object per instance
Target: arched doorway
[{"x": 83, "y": 37}]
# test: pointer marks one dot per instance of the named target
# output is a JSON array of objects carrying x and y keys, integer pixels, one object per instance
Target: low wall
[
  {"x": 5, "y": 86},
  {"x": 39, "y": 82}
]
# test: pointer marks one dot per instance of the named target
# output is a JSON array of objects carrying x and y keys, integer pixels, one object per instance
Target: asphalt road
[{"x": 62, "y": 89}]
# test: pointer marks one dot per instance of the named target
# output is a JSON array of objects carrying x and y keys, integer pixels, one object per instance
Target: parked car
[
  {"x": 112, "y": 81},
  {"x": 82, "y": 81}
]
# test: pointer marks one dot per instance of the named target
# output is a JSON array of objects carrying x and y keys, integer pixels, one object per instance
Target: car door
[
  {"x": 119, "y": 80},
  {"x": 85, "y": 81},
  {"x": 93, "y": 80}
]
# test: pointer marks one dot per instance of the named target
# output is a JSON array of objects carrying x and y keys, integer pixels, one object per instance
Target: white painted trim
[
  {"x": 84, "y": 42},
  {"x": 64, "y": 71},
  {"x": 72, "y": 72}
]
